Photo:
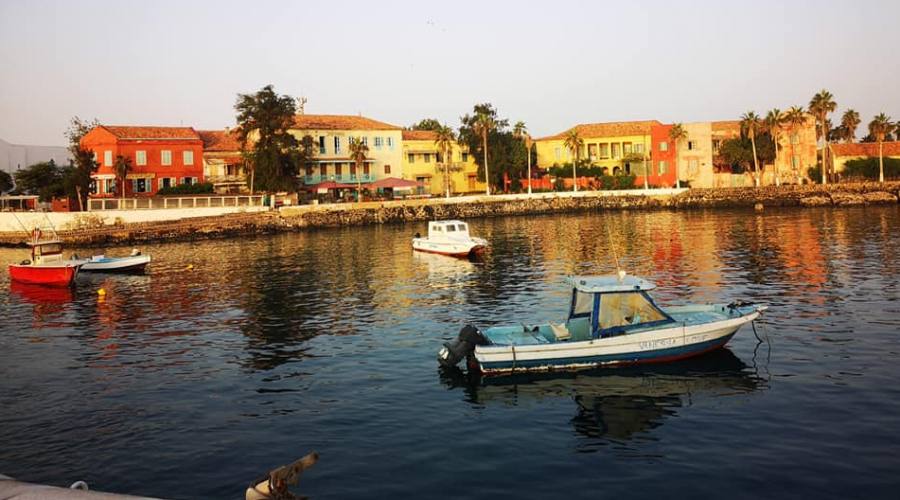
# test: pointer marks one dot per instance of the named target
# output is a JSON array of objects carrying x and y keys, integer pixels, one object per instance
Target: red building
[
  {"x": 662, "y": 158},
  {"x": 160, "y": 157}
]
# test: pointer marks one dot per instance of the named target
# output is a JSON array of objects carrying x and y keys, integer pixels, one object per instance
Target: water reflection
[{"x": 619, "y": 404}]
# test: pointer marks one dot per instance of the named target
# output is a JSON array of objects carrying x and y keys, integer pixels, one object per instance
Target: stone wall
[{"x": 307, "y": 217}]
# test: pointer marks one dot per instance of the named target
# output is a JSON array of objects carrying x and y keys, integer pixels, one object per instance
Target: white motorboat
[
  {"x": 134, "y": 263},
  {"x": 612, "y": 321},
  {"x": 449, "y": 237}
]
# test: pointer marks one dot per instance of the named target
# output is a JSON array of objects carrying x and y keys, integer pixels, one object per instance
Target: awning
[
  {"x": 395, "y": 183},
  {"x": 103, "y": 176},
  {"x": 323, "y": 187},
  {"x": 142, "y": 175}
]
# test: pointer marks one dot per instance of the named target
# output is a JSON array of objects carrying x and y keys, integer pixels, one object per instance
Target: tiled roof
[
  {"x": 419, "y": 135},
  {"x": 611, "y": 129},
  {"x": 866, "y": 149},
  {"x": 140, "y": 132},
  {"x": 219, "y": 140},
  {"x": 340, "y": 122},
  {"x": 728, "y": 126}
]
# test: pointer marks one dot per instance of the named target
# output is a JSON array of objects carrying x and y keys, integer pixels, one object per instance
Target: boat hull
[
  {"x": 135, "y": 265},
  {"x": 670, "y": 344},
  {"x": 452, "y": 249},
  {"x": 57, "y": 276}
]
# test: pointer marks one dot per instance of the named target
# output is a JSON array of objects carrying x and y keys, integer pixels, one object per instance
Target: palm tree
[
  {"x": 484, "y": 125},
  {"x": 850, "y": 120},
  {"x": 358, "y": 152},
  {"x": 795, "y": 117},
  {"x": 122, "y": 166},
  {"x": 879, "y": 127},
  {"x": 749, "y": 125},
  {"x": 772, "y": 123},
  {"x": 521, "y": 132},
  {"x": 444, "y": 140},
  {"x": 820, "y": 105},
  {"x": 574, "y": 143},
  {"x": 677, "y": 134}
]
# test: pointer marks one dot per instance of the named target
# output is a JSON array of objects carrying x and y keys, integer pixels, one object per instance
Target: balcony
[
  {"x": 225, "y": 179},
  {"x": 344, "y": 178}
]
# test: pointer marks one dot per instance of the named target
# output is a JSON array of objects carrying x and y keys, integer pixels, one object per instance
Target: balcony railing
[
  {"x": 344, "y": 178},
  {"x": 164, "y": 202}
]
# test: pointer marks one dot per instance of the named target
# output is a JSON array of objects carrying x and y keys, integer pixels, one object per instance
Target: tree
[
  {"x": 772, "y": 123},
  {"x": 444, "y": 141},
  {"x": 484, "y": 125},
  {"x": 44, "y": 179},
  {"x": 820, "y": 105},
  {"x": 358, "y": 152},
  {"x": 795, "y": 117},
  {"x": 502, "y": 150},
  {"x": 738, "y": 153},
  {"x": 273, "y": 154},
  {"x": 520, "y": 131},
  {"x": 83, "y": 164},
  {"x": 849, "y": 121},
  {"x": 122, "y": 167},
  {"x": 677, "y": 134},
  {"x": 427, "y": 124},
  {"x": 574, "y": 143},
  {"x": 879, "y": 127},
  {"x": 749, "y": 126},
  {"x": 6, "y": 182}
]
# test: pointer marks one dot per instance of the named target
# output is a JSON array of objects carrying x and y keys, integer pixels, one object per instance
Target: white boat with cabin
[{"x": 449, "y": 237}]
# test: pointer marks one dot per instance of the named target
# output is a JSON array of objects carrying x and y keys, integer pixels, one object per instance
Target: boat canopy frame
[{"x": 592, "y": 310}]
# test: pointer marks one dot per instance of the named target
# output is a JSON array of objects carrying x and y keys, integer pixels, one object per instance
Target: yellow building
[
  {"x": 842, "y": 153},
  {"x": 619, "y": 147},
  {"x": 423, "y": 162},
  {"x": 332, "y": 135},
  {"x": 223, "y": 164}
]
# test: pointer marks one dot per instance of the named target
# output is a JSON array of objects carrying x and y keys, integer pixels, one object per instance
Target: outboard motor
[{"x": 455, "y": 351}]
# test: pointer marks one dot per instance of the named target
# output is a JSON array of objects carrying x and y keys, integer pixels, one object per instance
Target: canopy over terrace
[
  {"x": 395, "y": 183},
  {"x": 324, "y": 187}
]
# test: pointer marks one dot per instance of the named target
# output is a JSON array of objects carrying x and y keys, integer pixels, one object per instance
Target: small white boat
[
  {"x": 612, "y": 321},
  {"x": 449, "y": 237},
  {"x": 134, "y": 263}
]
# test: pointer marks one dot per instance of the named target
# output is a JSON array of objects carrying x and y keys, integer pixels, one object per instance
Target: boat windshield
[
  {"x": 48, "y": 249},
  {"x": 628, "y": 309}
]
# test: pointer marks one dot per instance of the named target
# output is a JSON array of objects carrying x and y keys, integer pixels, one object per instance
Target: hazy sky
[{"x": 550, "y": 63}]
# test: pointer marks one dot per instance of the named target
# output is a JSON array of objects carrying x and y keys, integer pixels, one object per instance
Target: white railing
[{"x": 165, "y": 202}]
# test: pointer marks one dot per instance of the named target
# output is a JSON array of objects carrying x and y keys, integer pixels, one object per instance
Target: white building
[{"x": 15, "y": 157}]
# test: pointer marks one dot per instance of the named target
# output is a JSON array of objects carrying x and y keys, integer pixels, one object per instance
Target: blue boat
[{"x": 612, "y": 321}]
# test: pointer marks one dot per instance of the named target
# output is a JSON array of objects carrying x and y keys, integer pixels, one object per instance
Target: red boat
[{"x": 47, "y": 266}]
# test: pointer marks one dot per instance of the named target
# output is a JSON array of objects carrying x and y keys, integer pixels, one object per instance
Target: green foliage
[
  {"x": 624, "y": 181},
  {"x": 427, "y": 124},
  {"x": 872, "y": 138},
  {"x": 45, "y": 179},
  {"x": 738, "y": 152},
  {"x": 199, "y": 188},
  {"x": 6, "y": 182},
  {"x": 78, "y": 181},
  {"x": 276, "y": 156},
  {"x": 868, "y": 168},
  {"x": 506, "y": 153}
]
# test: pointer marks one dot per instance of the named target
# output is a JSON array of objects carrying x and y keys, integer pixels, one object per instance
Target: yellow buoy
[
  {"x": 101, "y": 292},
  {"x": 190, "y": 267}
]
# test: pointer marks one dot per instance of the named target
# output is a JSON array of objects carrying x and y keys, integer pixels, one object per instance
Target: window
[
  {"x": 188, "y": 181},
  {"x": 140, "y": 185},
  {"x": 166, "y": 157},
  {"x": 166, "y": 182},
  {"x": 353, "y": 171},
  {"x": 690, "y": 145},
  {"x": 625, "y": 309},
  {"x": 662, "y": 167},
  {"x": 465, "y": 157},
  {"x": 379, "y": 141},
  {"x": 309, "y": 170},
  {"x": 664, "y": 146},
  {"x": 321, "y": 144},
  {"x": 439, "y": 157},
  {"x": 337, "y": 145},
  {"x": 462, "y": 227},
  {"x": 626, "y": 148},
  {"x": 411, "y": 157},
  {"x": 557, "y": 152},
  {"x": 140, "y": 158},
  {"x": 604, "y": 150},
  {"x": 638, "y": 148},
  {"x": 451, "y": 228},
  {"x": 615, "y": 150},
  {"x": 365, "y": 141},
  {"x": 110, "y": 185},
  {"x": 387, "y": 169},
  {"x": 338, "y": 169},
  {"x": 323, "y": 170},
  {"x": 365, "y": 169},
  {"x": 693, "y": 166},
  {"x": 187, "y": 157},
  {"x": 107, "y": 158},
  {"x": 390, "y": 142},
  {"x": 427, "y": 157}
]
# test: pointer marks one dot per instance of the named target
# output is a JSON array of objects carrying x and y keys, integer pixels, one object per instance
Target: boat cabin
[
  {"x": 448, "y": 229},
  {"x": 46, "y": 252},
  {"x": 605, "y": 306}
]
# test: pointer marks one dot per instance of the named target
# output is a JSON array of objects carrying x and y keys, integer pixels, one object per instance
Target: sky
[{"x": 551, "y": 64}]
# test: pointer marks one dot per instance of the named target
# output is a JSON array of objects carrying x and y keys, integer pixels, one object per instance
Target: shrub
[
  {"x": 200, "y": 188},
  {"x": 868, "y": 168}
]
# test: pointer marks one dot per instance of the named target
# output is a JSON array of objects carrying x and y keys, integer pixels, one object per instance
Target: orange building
[{"x": 160, "y": 157}]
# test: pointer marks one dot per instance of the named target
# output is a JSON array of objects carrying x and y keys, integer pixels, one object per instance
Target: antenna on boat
[{"x": 619, "y": 270}]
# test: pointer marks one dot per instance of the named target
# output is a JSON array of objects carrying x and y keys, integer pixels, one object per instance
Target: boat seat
[{"x": 560, "y": 332}]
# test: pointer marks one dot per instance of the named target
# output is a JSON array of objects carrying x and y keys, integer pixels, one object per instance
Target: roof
[
  {"x": 395, "y": 183},
  {"x": 154, "y": 133},
  {"x": 610, "y": 129},
  {"x": 419, "y": 135},
  {"x": 728, "y": 126},
  {"x": 610, "y": 283},
  {"x": 340, "y": 122},
  {"x": 866, "y": 149},
  {"x": 219, "y": 140}
]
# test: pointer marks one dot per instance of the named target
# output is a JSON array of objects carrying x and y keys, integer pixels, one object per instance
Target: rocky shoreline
[{"x": 291, "y": 219}]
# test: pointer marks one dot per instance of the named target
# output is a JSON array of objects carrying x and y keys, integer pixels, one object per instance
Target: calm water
[{"x": 191, "y": 383}]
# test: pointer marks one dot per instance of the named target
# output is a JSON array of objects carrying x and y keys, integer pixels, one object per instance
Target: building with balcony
[
  {"x": 223, "y": 162},
  {"x": 423, "y": 162},
  {"x": 332, "y": 136},
  {"x": 159, "y": 157}
]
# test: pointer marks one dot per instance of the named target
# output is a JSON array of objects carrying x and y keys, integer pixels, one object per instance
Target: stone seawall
[{"x": 311, "y": 216}]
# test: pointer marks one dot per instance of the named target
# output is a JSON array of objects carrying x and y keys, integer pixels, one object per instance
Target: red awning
[
  {"x": 395, "y": 183},
  {"x": 332, "y": 185}
]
